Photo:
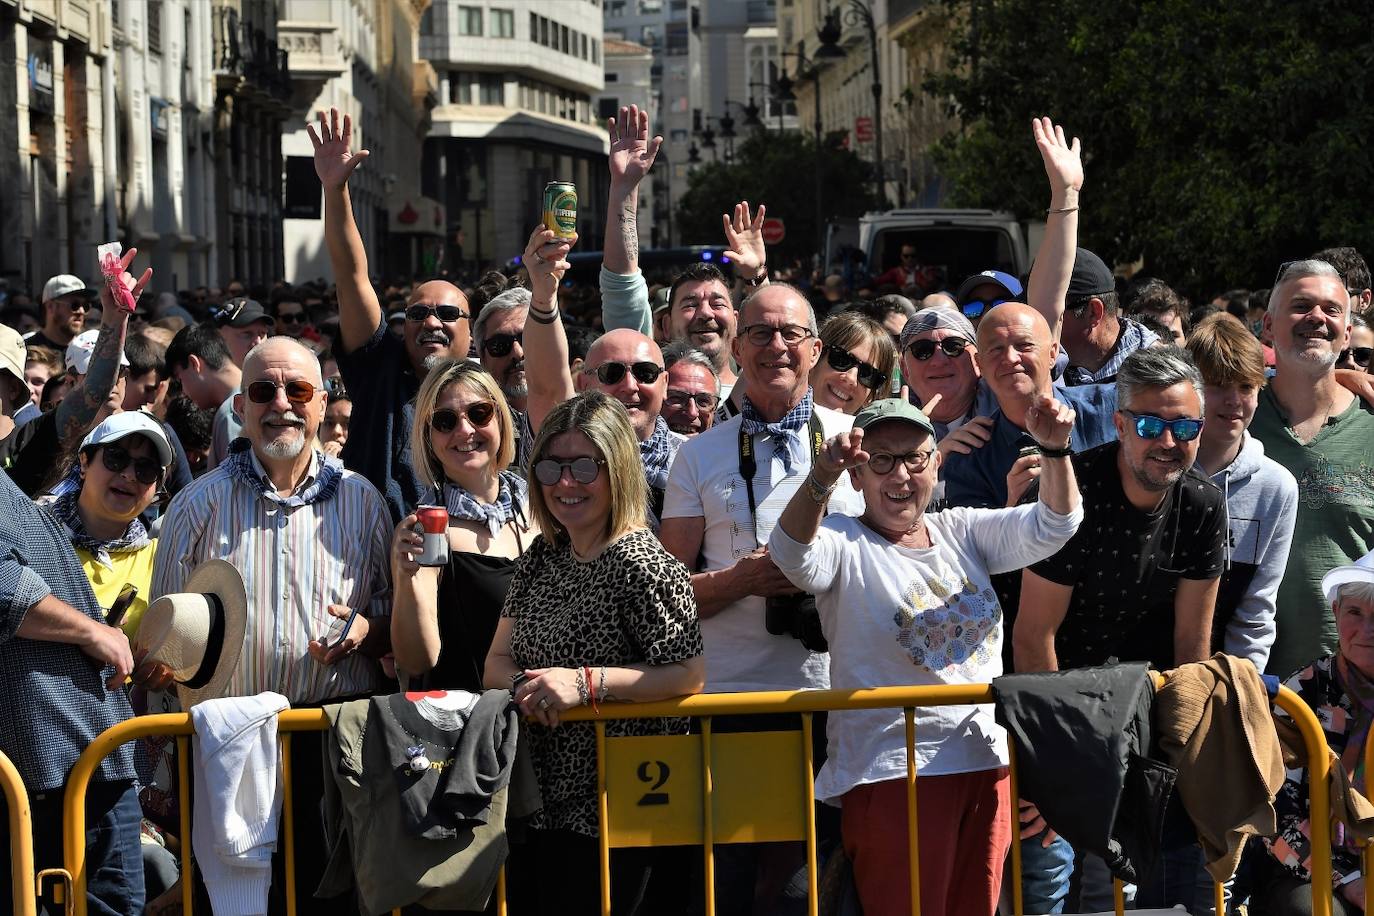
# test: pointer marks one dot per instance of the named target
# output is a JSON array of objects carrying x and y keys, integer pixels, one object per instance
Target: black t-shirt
[
  {"x": 1123, "y": 562},
  {"x": 39, "y": 339},
  {"x": 380, "y": 382}
]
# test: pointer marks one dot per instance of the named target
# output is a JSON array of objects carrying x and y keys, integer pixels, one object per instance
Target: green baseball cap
[{"x": 893, "y": 409}]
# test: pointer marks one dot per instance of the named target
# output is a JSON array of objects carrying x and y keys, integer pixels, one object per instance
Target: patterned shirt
[
  {"x": 1133, "y": 337},
  {"x": 57, "y": 703},
  {"x": 298, "y": 555}
]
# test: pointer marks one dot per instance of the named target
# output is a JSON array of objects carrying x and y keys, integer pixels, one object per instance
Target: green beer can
[{"x": 560, "y": 208}]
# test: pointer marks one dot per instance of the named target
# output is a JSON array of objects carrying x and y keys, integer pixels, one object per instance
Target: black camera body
[{"x": 795, "y": 616}]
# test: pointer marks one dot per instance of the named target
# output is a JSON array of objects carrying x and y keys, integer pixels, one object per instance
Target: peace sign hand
[
  {"x": 841, "y": 453},
  {"x": 334, "y": 161}
]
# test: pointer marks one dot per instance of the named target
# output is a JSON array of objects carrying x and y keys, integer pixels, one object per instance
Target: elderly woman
[
  {"x": 598, "y": 611},
  {"x": 443, "y": 617},
  {"x": 856, "y": 362},
  {"x": 117, "y": 473},
  {"x": 905, "y": 599},
  {"x": 1340, "y": 690}
]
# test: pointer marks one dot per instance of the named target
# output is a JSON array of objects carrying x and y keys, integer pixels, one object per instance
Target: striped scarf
[{"x": 510, "y": 500}]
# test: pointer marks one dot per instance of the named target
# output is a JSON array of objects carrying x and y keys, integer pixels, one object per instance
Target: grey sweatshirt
[{"x": 1261, "y": 507}]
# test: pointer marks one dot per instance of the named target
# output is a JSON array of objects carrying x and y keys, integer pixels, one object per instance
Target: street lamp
[
  {"x": 857, "y": 12},
  {"x": 809, "y": 69}
]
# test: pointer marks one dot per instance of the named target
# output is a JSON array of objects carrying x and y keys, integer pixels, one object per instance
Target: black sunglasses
[
  {"x": 841, "y": 360},
  {"x": 116, "y": 459},
  {"x": 549, "y": 471},
  {"x": 265, "y": 392},
  {"x": 925, "y": 349},
  {"x": 1358, "y": 355},
  {"x": 445, "y": 420},
  {"x": 646, "y": 373},
  {"x": 291, "y": 317},
  {"x": 421, "y": 312},
  {"x": 501, "y": 344}
]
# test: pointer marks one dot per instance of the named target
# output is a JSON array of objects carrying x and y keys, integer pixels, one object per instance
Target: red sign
[
  {"x": 773, "y": 231},
  {"x": 863, "y": 130}
]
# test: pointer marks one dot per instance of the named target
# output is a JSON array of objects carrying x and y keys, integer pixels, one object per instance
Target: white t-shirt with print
[
  {"x": 895, "y": 616},
  {"x": 705, "y": 483}
]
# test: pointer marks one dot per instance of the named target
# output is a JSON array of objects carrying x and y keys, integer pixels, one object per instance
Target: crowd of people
[{"x": 737, "y": 480}]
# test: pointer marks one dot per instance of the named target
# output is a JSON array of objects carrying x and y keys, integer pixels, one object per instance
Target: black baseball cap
[
  {"x": 1091, "y": 276},
  {"x": 241, "y": 311}
]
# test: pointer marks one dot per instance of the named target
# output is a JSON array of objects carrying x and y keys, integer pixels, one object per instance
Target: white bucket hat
[
  {"x": 1362, "y": 570},
  {"x": 132, "y": 423},
  {"x": 199, "y": 632}
]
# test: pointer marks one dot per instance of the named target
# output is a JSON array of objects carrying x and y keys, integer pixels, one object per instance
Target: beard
[
  {"x": 284, "y": 448},
  {"x": 1154, "y": 479}
]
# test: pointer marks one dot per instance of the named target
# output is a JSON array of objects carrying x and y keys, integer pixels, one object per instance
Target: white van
[{"x": 955, "y": 243}]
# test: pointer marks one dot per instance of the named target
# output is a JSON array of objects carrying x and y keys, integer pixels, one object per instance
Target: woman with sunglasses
[
  {"x": 115, "y": 475},
  {"x": 855, "y": 365},
  {"x": 1357, "y": 355},
  {"x": 598, "y": 612},
  {"x": 462, "y": 443}
]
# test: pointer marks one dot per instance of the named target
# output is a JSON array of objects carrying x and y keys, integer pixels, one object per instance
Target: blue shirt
[{"x": 979, "y": 479}]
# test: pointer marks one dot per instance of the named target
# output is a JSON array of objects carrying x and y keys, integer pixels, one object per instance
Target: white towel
[{"x": 238, "y": 799}]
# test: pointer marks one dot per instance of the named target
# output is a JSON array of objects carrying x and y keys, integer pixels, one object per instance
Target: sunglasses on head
[
  {"x": 421, "y": 312},
  {"x": 445, "y": 419},
  {"x": 116, "y": 459},
  {"x": 549, "y": 471},
  {"x": 265, "y": 392},
  {"x": 1148, "y": 426},
  {"x": 974, "y": 308},
  {"x": 501, "y": 344},
  {"x": 646, "y": 373},
  {"x": 925, "y": 349},
  {"x": 841, "y": 360}
]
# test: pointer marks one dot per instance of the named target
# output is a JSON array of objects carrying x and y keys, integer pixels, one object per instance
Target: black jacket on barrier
[{"x": 1083, "y": 747}]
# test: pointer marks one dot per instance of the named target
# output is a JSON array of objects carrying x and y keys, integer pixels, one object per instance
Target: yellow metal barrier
[
  {"x": 22, "y": 880},
  {"x": 623, "y": 772}
]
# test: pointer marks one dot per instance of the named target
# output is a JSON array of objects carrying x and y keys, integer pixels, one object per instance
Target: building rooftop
[{"x": 614, "y": 47}]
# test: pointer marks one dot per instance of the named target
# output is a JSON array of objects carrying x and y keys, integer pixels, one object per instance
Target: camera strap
[{"x": 748, "y": 465}]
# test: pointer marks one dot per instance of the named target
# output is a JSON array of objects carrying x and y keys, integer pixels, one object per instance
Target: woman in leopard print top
[{"x": 597, "y": 608}]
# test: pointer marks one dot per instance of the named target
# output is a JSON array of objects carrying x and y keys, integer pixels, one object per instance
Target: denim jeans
[
  {"x": 1046, "y": 873},
  {"x": 114, "y": 856}
]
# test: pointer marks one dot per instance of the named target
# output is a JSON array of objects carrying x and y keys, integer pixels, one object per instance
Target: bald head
[
  {"x": 621, "y": 363},
  {"x": 782, "y": 297},
  {"x": 282, "y": 351},
  {"x": 1016, "y": 352},
  {"x": 1013, "y": 314},
  {"x": 432, "y": 338},
  {"x": 277, "y": 419}
]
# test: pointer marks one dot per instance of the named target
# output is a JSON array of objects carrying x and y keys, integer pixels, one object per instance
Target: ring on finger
[{"x": 543, "y": 702}]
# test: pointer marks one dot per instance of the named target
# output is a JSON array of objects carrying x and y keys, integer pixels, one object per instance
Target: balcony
[
  {"x": 247, "y": 61},
  {"x": 315, "y": 58}
]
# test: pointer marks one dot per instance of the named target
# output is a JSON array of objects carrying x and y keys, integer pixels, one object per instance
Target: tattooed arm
[
  {"x": 632, "y": 155},
  {"x": 77, "y": 412}
]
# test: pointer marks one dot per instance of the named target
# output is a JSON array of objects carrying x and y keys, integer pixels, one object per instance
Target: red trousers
[{"x": 964, "y": 827}]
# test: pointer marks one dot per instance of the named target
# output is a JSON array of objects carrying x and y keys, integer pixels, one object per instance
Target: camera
[{"x": 795, "y": 616}]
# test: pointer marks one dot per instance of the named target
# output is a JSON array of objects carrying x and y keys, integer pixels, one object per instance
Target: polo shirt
[{"x": 979, "y": 479}]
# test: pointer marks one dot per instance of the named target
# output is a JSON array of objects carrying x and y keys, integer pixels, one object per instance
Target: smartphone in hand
[
  {"x": 339, "y": 629},
  {"x": 120, "y": 609}
]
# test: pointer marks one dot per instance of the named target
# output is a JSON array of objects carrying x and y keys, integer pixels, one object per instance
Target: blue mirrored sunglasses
[
  {"x": 1148, "y": 426},
  {"x": 974, "y": 308}
]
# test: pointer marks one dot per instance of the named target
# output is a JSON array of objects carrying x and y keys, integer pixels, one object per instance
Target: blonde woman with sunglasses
[{"x": 462, "y": 444}]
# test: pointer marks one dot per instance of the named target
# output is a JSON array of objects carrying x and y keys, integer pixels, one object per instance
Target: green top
[{"x": 1335, "y": 525}]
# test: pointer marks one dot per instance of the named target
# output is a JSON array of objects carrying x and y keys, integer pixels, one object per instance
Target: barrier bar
[
  {"x": 708, "y": 816},
  {"x": 288, "y": 825},
  {"x": 23, "y": 886},
  {"x": 813, "y": 894},
  {"x": 184, "y": 818},
  {"x": 913, "y": 845},
  {"x": 1018, "y": 905},
  {"x": 603, "y": 840}
]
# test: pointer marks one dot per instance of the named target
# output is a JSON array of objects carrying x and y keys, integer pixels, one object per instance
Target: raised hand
[
  {"x": 744, "y": 240},
  {"x": 1063, "y": 160},
  {"x": 544, "y": 259},
  {"x": 632, "y": 152},
  {"x": 110, "y": 313},
  {"x": 841, "y": 453},
  {"x": 334, "y": 160},
  {"x": 1049, "y": 422}
]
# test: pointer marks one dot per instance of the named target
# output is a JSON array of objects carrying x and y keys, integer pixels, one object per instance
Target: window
[
  {"x": 650, "y": 6},
  {"x": 493, "y": 89},
  {"x": 675, "y": 38},
  {"x": 543, "y": 31},
  {"x": 607, "y": 108},
  {"x": 534, "y": 27},
  {"x": 470, "y": 20},
  {"x": 648, "y": 36},
  {"x": 155, "y": 26},
  {"x": 502, "y": 23},
  {"x": 615, "y": 8},
  {"x": 563, "y": 38},
  {"x": 584, "y": 47},
  {"x": 427, "y": 21},
  {"x": 678, "y": 135},
  {"x": 596, "y": 51}
]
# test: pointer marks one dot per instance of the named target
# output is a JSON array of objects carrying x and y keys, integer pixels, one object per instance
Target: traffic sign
[
  {"x": 863, "y": 130},
  {"x": 773, "y": 230}
]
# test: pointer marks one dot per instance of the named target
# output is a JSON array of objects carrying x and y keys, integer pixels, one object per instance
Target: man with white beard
[{"x": 1324, "y": 436}]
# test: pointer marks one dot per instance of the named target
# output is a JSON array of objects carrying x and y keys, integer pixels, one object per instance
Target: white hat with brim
[
  {"x": 13, "y": 353},
  {"x": 132, "y": 423},
  {"x": 199, "y": 632},
  {"x": 1362, "y": 570},
  {"x": 79, "y": 351}
]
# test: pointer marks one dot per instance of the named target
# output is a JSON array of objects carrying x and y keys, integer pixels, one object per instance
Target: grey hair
[
  {"x": 811, "y": 324},
  {"x": 1297, "y": 270},
  {"x": 1155, "y": 367},
  {"x": 679, "y": 351},
  {"x": 1362, "y": 592},
  {"x": 517, "y": 297}
]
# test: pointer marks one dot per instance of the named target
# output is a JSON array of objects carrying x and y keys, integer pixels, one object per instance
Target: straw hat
[
  {"x": 1362, "y": 570},
  {"x": 199, "y": 632}
]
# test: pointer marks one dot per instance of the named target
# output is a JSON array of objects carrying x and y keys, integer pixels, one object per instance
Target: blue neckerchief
[
  {"x": 785, "y": 432},
  {"x": 63, "y": 508},
  {"x": 242, "y": 464},
  {"x": 510, "y": 499},
  {"x": 658, "y": 451}
]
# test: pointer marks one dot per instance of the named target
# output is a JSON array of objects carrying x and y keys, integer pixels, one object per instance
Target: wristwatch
[
  {"x": 756, "y": 281},
  {"x": 1047, "y": 452}
]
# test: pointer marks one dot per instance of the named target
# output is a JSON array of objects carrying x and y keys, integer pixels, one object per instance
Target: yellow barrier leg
[
  {"x": 603, "y": 840},
  {"x": 21, "y": 839},
  {"x": 1118, "y": 897},
  {"x": 501, "y": 892},
  {"x": 288, "y": 825},
  {"x": 1219, "y": 899},
  {"x": 813, "y": 894},
  {"x": 184, "y": 808},
  {"x": 1018, "y": 906},
  {"x": 913, "y": 846},
  {"x": 708, "y": 817}
]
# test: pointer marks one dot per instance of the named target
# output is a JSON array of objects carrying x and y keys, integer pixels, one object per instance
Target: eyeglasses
[
  {"x": 265, "y": 391},
  {"x": 925, "y": 349},
  {"x": 549, "y": 471},
  {"x": 445, "y": 419},
  {"x": 1358, "y": 355},
  {"x": 501, "y": 344},
  {"x": 1148, "y": 426},
  {"x": 761, "y": 335},
  {"x": 646, "y": 373},
  {"x": 974, "y": 308},
  {"x": 884, "y": 462},
  {"x": 421, "y": 312},
  {"x": 291, "y": 317},
  {"x": 841, "y": 360},
  {"x": 678, "y": 399},
  {"x": 116, "y": 459}
]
